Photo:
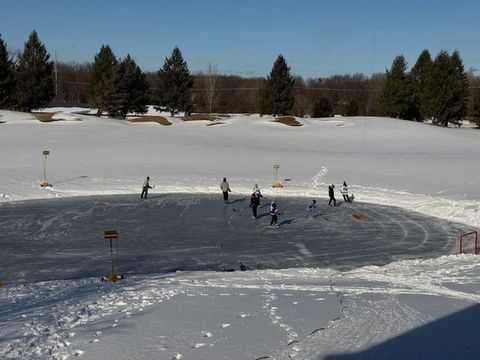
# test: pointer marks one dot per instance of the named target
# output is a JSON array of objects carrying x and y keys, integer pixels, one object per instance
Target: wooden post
[
  {"x": 276, "y": 183},
  {"x": 45, "y": 183}
]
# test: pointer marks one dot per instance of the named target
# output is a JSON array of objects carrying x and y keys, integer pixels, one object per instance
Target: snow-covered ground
[{"x": 326, "y": 287}]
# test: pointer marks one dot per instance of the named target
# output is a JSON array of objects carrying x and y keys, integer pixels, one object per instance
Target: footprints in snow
[
  {"x": 211, "y": 336},
  {"x": 275, "y": 318}
]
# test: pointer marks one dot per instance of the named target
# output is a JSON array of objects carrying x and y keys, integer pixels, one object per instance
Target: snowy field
[{"x": 321, "y": 287}]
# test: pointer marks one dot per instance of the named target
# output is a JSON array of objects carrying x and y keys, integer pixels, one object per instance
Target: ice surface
[{"x": 63, "y": 238}]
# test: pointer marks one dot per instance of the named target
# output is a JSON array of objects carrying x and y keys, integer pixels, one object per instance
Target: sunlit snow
[{"x": 323, "y": 286}]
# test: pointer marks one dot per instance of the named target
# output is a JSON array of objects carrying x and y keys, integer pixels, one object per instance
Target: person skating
[
  {"x": 256, "y": 190},
  {"x": 254, "y": 203},
  {"x": 225, "y": 189},
  {"x": 145, "y": 187},
  {"x": 273, "y": 214},
  {"x": 311, "y": 208},
  {"x": 331, "y": 195},
  {"x": 344, "y": 192}
]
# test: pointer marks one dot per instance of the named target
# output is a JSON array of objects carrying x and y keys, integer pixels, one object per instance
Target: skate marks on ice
[{"x": 63, "y": 238}]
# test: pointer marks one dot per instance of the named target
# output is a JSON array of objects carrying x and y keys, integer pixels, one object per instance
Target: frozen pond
[{"x": 63, "y": 238}]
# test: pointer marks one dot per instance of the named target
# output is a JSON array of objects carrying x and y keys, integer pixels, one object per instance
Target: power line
[{"x": 259, "y": 88}]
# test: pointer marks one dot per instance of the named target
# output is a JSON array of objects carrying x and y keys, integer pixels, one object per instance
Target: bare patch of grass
[
  {"x": 150, "y": 118},
  {"x": 200, "y": 117},
  {"x": 288, "y": 120},
  {"x": 44, "y": 116},
  {"x": 215, "y": 123}
]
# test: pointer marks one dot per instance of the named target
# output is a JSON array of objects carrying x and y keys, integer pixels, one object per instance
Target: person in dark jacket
[
  {"x": 225, "y": 189},
  {"x": 145, "y": 187},
  {"x": 331, "y": 195},
  {"x": 254, "y": 203}
]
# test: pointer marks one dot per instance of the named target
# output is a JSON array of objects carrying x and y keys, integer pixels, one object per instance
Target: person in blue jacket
[
  {"x": 273, "y": 214},
  {"x": 311, "y": 208}
]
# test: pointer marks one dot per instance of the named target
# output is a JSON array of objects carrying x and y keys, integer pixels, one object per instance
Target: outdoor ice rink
[{"x": 63, "y": 238}]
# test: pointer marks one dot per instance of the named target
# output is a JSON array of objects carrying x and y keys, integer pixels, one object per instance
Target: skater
[
  {"x": 274, "y": 214},
  {"x": 256, "y": 190},
  {"x": 146, "y": 186},
  {"x": 331, "y": 195},
  {"x": 225, "y": 189},
  {"x": 254, "y": 203},
  {"x": 311, "y": 208},
  {"x": 344, "y": 192}
]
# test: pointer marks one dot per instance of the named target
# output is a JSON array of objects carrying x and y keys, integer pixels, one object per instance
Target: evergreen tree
[
  {"x": 397, "y": 97},
  {"x": 131, "y": 90},
  {"x": 420, "y": 77},
  {"x": 460, "y": 84},
  {"x": 448, "y": 89},
  {"x": 7, "y": 79},
  {"x": 352, "y": 109},
  {"x": 101, "y": 86},
  {"x": 322, "y": 108},
  {"x": 175, "y": 83},
  {"x": 277, "y": 98},
  {"x": 34, "y": 76},
  {"x": 475, "y": 106}
]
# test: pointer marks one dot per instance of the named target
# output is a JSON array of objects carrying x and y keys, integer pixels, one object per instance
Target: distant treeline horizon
[{"x": 210, "y": 91}]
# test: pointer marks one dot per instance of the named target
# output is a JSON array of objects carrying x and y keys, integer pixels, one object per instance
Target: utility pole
[{"x": 56, "y": 77}]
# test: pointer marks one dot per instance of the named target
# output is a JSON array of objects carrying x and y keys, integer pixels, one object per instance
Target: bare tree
[
  {"x": 210, "y": 79},
  {"x": 302, "y": 105}
]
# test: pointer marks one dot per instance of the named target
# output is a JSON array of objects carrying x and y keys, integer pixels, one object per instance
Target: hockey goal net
[{"x": 468, "y": 243}]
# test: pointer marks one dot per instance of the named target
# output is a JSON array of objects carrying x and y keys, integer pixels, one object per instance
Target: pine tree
[
  {"x": 352, "y": 109},
  {"x": 34, "y": 76},
  {"x": 475, "y": 106},
  {"x": 101, "y": 86},
  {"x": 420, "y": 75},
  {"x": 131, "y": 90},
  {"x": 7, "y": 79},
  {"x": 460, "y": 83},
  {"x": 448, "y": 89},
  {"x": 277, "y": 98},
  {"x": 175, "y": 83},
  {"x": 322, "y": 108},
  {"x": 397, "y": 97}
]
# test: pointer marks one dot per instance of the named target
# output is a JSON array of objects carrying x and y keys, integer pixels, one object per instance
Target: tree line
[
  {"x": 439, "y": 90},
  {"x": 433, "y": 89}
]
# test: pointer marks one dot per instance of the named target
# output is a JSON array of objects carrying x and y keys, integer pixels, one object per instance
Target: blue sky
[{"x": 244, "y": 37}]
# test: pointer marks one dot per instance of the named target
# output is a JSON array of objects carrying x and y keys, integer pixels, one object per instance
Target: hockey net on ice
[{"x": 468, "y": 243}]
